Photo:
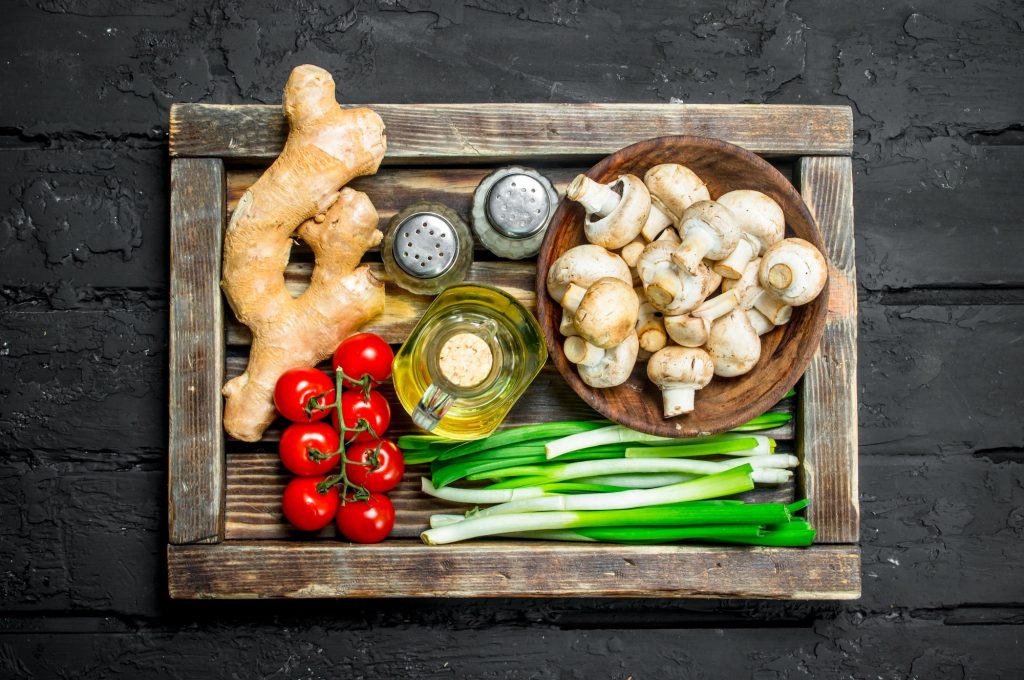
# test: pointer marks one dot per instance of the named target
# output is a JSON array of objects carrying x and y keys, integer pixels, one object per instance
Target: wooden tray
[{"x": 227, "y": 537}]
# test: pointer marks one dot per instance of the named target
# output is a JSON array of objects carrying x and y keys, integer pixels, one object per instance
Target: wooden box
[{"x": 227, "y": 536}]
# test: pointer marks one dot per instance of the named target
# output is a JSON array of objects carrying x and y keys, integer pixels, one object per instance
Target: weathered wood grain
[
  {"x": 255, "y": 482},
  {"x": 196, "y": 441},
  {"x": 459, "y": 133},
  {"x": 403, "y": 309},
  {"x": 827, "y": 416},
  {"x": 260, "y": 569},
  {"x": 785, "y": 351}
]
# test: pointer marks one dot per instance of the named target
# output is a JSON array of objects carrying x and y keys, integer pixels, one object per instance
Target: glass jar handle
[{"x": 432, "y": 407}]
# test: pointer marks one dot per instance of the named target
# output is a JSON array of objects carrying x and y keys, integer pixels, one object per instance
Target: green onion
[
  {"x": 647, "y": 534},
  {"x": 518, "y": 435},
  {"x": 739, "y": 446},
  {"x": 647, "y": 480},
  {"x": 575, "y": 487},
  {"x": 421, "y": 441},
  {"x": 613, "y": 434},
  {"x": 726, "y": 483},
  {"x": 767, "y": 421},
  {"x": 456, "y": 471},
  {"x": 483, "y": 496}
]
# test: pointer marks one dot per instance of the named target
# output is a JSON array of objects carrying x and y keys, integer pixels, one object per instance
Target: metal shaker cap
[
  {"x": 511, "y": 210},
  {"x": 425, "y": 245}
]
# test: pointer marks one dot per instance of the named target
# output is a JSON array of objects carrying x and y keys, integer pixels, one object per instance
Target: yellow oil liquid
[{"x": 509, "y": 330}]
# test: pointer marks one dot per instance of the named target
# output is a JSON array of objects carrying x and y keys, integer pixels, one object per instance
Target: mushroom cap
[
  {"x": 733, "y": 344},
  {"x": 607, "y": 313},
  {"x": 674, "y": 188},
  {"x": 616, "y": 366},
  {"x": 793, "y": 270},
  {"x": 623, "y": 224},
  {"x": 719, "y": 220},
  {"x": 656, "y": 261},
  {"x": 583, "y": 265},
  {"x": 680, "y": 367},
  {"x": 758, "y": 216}
]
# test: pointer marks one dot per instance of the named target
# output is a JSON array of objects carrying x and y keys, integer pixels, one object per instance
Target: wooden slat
[
  {"x": 500, "y": 569},
  {"x": 827, "y": 418},
  {"x": 403, "y": 309},
  {"x": 196, "y": 442},
  {"x": 487, "y": 133},
  {"x": 548, "y": 398},
  {"x": 255, "y": 482}
]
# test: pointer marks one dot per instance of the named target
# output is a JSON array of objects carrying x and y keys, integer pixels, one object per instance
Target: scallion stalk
[
  {"x": 481, "y": 496},
  {"x": 518, "y": 435},
  {"x": 753, "y": 445}
]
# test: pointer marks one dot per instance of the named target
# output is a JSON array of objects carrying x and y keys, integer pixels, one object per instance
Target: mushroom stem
[
  {"x": 664, "y": 288},
  {"x": 657, "y": 221},
  {"x": 572, "y": 298},
  {"x": 565, "y": 326},
  {"x": 597, "y": 199},
  {"x": 579, "y": 351},
  {"x": 732, "y": 266},
  {"x": 699, "y": 240},
  {"x": 718, "y": 306},
  {"x": 780, "y": 276},
  {"x": 687, "y": 330},
  {"x": 760, "y": 323},
  {"x": 776, "y": 311},
  {"x": 631, "y": 251},
  {"x": 677, "y": 400},
  {"x": 650, "y": 329},
  {"x": 670, "y": 235}
]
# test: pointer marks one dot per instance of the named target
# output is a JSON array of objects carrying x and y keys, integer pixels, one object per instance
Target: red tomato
[
  {"x": 296, "y": 441},
  {"x": 373, "y": 408},
  {"x": 368, "y": 521},
  {"x": 388, "y": 471},
  {"x": 305, "y": 507},
  {"x": 296, "y": 387},
  {"x": 364, "y": 354}
]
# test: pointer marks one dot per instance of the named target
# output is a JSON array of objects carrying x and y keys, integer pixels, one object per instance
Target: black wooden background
[{"x": 938, "y": 102}]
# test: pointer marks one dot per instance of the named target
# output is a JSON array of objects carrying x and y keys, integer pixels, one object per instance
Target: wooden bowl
[{"x": 785, "y": 351}]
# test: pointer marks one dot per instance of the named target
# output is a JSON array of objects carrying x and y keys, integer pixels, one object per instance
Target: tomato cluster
[{"x": 354, "y": 495}]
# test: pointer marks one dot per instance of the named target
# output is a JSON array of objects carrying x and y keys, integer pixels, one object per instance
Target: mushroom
[
  {"x": 650, "y": 329},
  {"x": 679, "y": 372},
  {"x": 736, "y": 293},
  {"x": 673, "y": 189},
  {"x": 614, "y": 218},
  {"x": 792, "y": 273},
  {"x": 687, "y": 330},
  {"x": 733, "y": 344},
  {"x": 708, "y": 230},
  {"x": 583, "y": 265},
  {"x": 761, "y": 224},
  {"x": 759, "y": 322},
  {"x": 603, "y": 367},
  {"x": 670, "y": 235},
  {"x": 630, "y": 253},
  {"x": 670, "y": 289},
  {"x": 606, "y": 313}
]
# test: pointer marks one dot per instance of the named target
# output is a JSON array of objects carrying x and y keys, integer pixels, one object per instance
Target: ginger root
[{"x": 327, "y": 146}]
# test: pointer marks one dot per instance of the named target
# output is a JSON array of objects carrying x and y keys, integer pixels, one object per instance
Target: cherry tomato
[
  {"x": 296, "y": 441},
  {"x": 368, "y": 521},
  {"x": 364, "y": 354},
  {"x": 373, "y": 408},
  {"x": 305, "y": 507},
  {"x": 388, "y": 471},
  {"x": 296, "y": 387}
]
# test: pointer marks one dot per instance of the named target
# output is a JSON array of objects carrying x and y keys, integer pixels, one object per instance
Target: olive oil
[{"x": 470, "y": 357}]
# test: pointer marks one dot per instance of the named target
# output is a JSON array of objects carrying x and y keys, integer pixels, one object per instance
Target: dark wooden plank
[
  {"x": 255, "y": 482},
  {"x": 827, "y": 415},
  {"x": 196, "y": 441},
  {"x": 242, "y": 569},
  {"x": 403, "y": 309},
  {"x": 488, "y": 133}
]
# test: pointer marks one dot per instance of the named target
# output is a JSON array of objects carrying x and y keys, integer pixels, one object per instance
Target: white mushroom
[
  {"x": 687, "y": 330},
  {"x": 606, "y": 313},
  {"x": 673, "y": 189},
  {"x": 761, "y": 225},
  {"x": 650, "y": 329},
  {"x": 792, "y": 273},
  {"x": 603, "y": 367},
  {"x": 708, "y": 230},
  {"x": 614, "y": 218},
  {"x": 733, "y": 344},
  {"x": 670, "y": 235},
  {"x": 583, "y": 265},
  {"x": 670, "y": 289},
  {"x": 679, "y": 372},
  {"x": 759, "y": 322},
  {"x": 736, "y": 293}
]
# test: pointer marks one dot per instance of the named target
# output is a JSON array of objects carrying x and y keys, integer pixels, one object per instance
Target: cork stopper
[{"x": 465, "y": 360}]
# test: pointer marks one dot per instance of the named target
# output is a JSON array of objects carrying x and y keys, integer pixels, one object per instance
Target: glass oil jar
[{"x": 469, "y": 359}]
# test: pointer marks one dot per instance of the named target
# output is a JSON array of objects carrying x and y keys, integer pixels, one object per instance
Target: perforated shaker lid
[{"x": 425, "y": 245}]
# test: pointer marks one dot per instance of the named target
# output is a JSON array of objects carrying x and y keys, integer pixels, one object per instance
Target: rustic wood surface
[
  {"x": 196, "y": 453},
  {"x": 302, "y": 570},
  {"x": 785, "y": 351},
  {"x": 827, "y": 423},
  {"x": 85, "y": 299},
  {"x": 524, "y": 133}
]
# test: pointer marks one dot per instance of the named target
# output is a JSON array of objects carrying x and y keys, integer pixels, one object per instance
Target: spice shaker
[
  {"x": 512, "y": 208},
  {"x": 427, "y": 247}
]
